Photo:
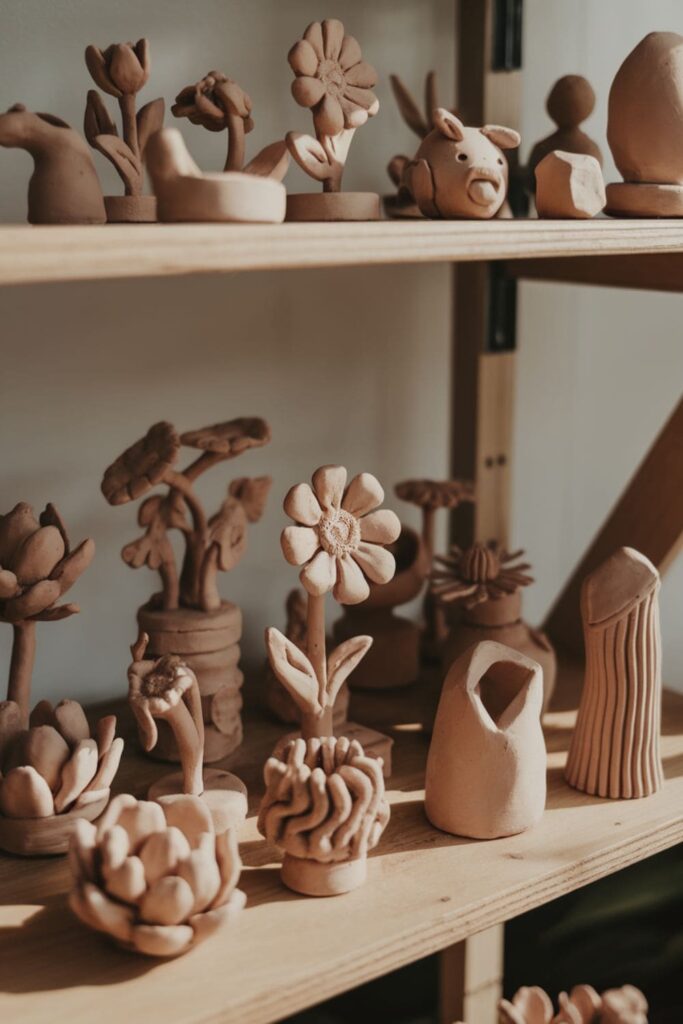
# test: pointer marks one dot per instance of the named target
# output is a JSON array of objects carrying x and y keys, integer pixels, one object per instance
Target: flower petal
[
  {"x": 350, "y": 53},
  {"x": 78, "y": 771},
  {"x": 302, "y": 58},
  {"x": 162, "y": 940},
  {"x": 381, "y": 527},
  {"x": 314, "y": 36},
  {"x": 308, "y": 91},
  {"x": 329, "y": 483},
  {"x": 302, "y": 506},
  {"x": 363, "y": 494},
  {"x": 378, "y": 564},
  {"x": 140, "y": 821},
  {"x": 8, "y": 584},
  {"x": 168, "y": 901},
  {"x": 351, "y": 586},
  {"x": 104, "y": 914},
  {"x": 363, "y": 97},
  {"x": 299, "y": 544},
  {"x": 362, "y": 75},
  {"x": 328, "y": 117},
  {"x": 97, "y": 66},
  {"x": 319, "y": 575},
  {"x": 354, "y": 116},
  {"x": 189, "y": 814},
  {"x": 333, "y": 37}
]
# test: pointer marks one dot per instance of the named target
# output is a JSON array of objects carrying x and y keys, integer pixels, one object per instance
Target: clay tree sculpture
[
  {"x": 614, "y": 750},
  {"x": 486, "y": 765},
  {"x": 570, "y": 101},
  {"x": 156, "y": 879},
  {"x": 187, "y": 617},
  {"x": 583, "y": 1005},
  {"x": 569, "y": 185},
  {"x": 166, "y": 689},
  {"x": 487, "y": 582},
  {"x": 647, "y": 92},
  {"x": 335, "y": 83},
  {"x": 121, "y": 70},
  {"x": 241, "y": 193},
  {"x": 324, "y": 802},
  {"x": 64, "y": 187}
]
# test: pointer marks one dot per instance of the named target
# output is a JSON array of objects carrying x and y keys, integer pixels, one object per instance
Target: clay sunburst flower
[
  {"x": 217, "y": 102},
  {"x": 340, "y": 534},
  {"x": 479, "y": 573},
  {"x": 141, "y": 466}
]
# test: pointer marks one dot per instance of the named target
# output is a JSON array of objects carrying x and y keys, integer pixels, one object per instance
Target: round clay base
[
  {"x": 631, "y": 199},
  {"x": 329, "y": 206},
  {"x": 228, "y": 198},
  {"x": 311, "y": 878},
  {"x": 40, "y": 837},
  {"x": 131, "y": 209},
  {"x": 224, "y": 794}
]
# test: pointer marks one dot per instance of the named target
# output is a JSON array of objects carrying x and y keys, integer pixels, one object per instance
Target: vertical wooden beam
[{"x": 471, "y": 979}]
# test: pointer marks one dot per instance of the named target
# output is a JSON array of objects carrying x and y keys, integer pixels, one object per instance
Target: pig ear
[
  {"x": 448, "y": 124},
  {"x": 505, "y": 138}
]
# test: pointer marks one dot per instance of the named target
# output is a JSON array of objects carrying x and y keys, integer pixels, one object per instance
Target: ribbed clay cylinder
[{"x": 614, "y": 751}]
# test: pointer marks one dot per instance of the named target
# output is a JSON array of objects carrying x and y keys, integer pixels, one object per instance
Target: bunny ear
[
  {"x": 342, "y": 662},
  {"x": 504, "y": 138},
  {"x": 448, "y": 124},
  {"x": 294, "y": 670}
]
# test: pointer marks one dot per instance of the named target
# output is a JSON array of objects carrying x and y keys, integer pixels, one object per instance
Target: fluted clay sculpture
[
  {"x": 644, "y": 129},
  {"x": 615, "y": 747},
  {"x": 486, "y": 765},
  {"x": 487, "y": 582},
  {"x": 121, "y": 70},
  {"x": 157, "y": 880},
  {"x": 583, "y": 1005},
  {"x": 570, "y": 101},
  {"x": 569, "y": 185},
  {"x": 188, "y": 618},
  {"x": 335, "y": 83},
  {"x": 64, "y": 187}
]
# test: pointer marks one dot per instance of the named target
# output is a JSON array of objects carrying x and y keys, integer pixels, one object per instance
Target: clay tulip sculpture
[
  {"x": 583, "y": 1005},
  {"x": 157, "y": 880},
  {"x": 324, "y": 802},
  {"x": 121, "y": 70},
  {"x": 336, "y": 84},
  {"x": 188, "y": 617}
]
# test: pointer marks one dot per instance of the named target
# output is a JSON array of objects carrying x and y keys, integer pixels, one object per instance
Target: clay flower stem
[
  {"x": 337, "y": 149},
  {"x": 209, "y": 596},
  {"x": 316, "y": 726},
  {"x": 206, "y": 461},
  {"x": 129, "y": 125},
  {"x": 235, "y": 158},
  {"x": 188, "y": 729},
  {"x": 21, "y": 667},
  {"x": 428, "y": 524},
  {"x": 170, "y": 584},
  {"x": 196, "y": 541}
]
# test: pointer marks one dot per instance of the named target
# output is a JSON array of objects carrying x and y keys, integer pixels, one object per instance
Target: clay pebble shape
[{"x": 569, "y": 185}]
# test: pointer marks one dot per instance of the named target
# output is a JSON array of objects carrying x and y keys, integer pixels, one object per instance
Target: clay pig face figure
[{"x": 459, "y": 171}]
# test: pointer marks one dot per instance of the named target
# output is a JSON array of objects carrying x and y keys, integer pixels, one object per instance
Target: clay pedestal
[
  {"x": 131, "y": 209},
  {"x": 224, "y": 794},
  {"x": 332, "y": 206}
]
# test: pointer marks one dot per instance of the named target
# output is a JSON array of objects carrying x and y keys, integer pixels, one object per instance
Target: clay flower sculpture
[
  {"x": 583, "y": 1005},
  {"x": 188, "y": 617},
  {"x": 335, "y": 83},
  {"x": 487, "y": 581},
  {"x": 37, "y": 566},
  {"x": 157, "y": 880},
  {"x": 324, "y": 805},
  {"x": 338, "y": 539},
  {"x": 121, "y": 70},
  {"x": 53, "y": 773}
]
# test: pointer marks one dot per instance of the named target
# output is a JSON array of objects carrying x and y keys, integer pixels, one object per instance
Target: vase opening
[{"x": 499, "y": 687}]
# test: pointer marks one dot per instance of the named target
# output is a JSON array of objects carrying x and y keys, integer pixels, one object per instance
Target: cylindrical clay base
[
  {"x": 311, "y": 878},
  {"x": 131, "y": 209},
  {"x": 40, "y": 837},
  {"x": 333, "y": 206}
]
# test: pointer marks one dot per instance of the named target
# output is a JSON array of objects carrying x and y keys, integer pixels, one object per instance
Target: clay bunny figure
[{"x": 459, "y": 171}]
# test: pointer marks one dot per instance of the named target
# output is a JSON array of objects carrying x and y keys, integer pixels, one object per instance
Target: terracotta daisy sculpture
[
  {"x": 188, "y": 617},
  {"x": 334, "y": 82}
]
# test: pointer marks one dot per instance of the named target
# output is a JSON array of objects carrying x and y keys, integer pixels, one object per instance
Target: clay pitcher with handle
[{"x": 486, "y": 768}]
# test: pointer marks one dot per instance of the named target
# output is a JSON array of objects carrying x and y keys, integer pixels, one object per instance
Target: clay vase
[
  {"x": 394, "y": 658},
  {"x": 614, "y": 750},
  {"x": 64, "y": 187},
  {"x": 486, "y": 766},
  {"x": 645, "y": 129},
  {"x": 208, "y": 642}
]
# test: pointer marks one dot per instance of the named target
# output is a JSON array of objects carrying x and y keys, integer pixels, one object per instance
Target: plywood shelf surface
[
  {"x": 425, "y": 891},
  {"x": 34, "y": 254}
]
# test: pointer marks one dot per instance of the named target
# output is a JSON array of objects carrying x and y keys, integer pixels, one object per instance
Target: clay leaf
[
  {"x": 57, "y": 612},
  {"x": 410, "y": 111},
  {"x": 271, "y": 162},
  {"x": 152, "y": 549},
  {"x": 310, "y": 155},
  {"x": 228, "y": 532},
  {"x": 97, "y": 120},
  {"x": 150, "y": 119},
  {"x": 294, "y": 670},
  {"x": 122, "y": 157},
  {"x": 342, "y": 662}
]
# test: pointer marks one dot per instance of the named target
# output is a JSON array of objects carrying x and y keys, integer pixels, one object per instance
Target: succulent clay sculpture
[
  {"x": 570, "y": 101},
  {"x": 121, "y": 70},
  {"x": 188, "y": 618},
  {"x": 167, "y": 689},
  {"x": 335, "y": 83},
  {"x": 486, "y": 767},
  {"x": 156, "y": 879},
  {"x": 64, "y": 187},
  {"x": 569, "y": 185},
  {"x": 487, "y": 582},
  {"x": 644, "y": 120},
  {"x": 583, "y": 1005},
  {"x": 614, "y": 750}
]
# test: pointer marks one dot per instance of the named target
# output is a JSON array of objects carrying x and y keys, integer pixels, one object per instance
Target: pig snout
[{"x": 484, "y": 184}]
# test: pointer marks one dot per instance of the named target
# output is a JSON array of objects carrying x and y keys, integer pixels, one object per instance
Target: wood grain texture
[
  {"x": 425, "y": 891},
  {"x": 30, "y": 254}
]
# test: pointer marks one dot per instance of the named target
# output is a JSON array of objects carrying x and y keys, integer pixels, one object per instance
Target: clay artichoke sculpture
[
  {"x": 583, "y": 1005},
  {"x": 325, "y": 806},
  {"x": 157, "y": 880}
]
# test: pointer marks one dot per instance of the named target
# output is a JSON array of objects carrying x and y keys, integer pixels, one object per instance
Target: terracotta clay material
[
  {"x": 156, "y": 879},
  {"x": 569, "y": 185},
  {"x": 486, "y": 582},
  {"x": 615, "y": 747},
  {"x": 121, "y": 70},
  {"x": 188, "y": 617},
  {"x": 64, "y": 187},
  {"x": 486, "y": 765},
  {"x": 648, "y": 91},
  {"x": 335, "y": 83},
  {"x": 324, "y": 806},
  {"x": 583, "y": 1005},
  {"x": 570, "y": 101}
]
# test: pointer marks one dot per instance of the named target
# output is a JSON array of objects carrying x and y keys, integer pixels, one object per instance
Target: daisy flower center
[
  {"x": 331, "y": 75},
  {"x": 339, "y": 533},
  {"x": 479, "y": 565}
]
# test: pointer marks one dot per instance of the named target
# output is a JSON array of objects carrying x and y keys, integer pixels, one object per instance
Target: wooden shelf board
[
  {"x": 34, "y": 254},
  {"x": 662, "y": 272},
  {"x": 425, "y": 891}
]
